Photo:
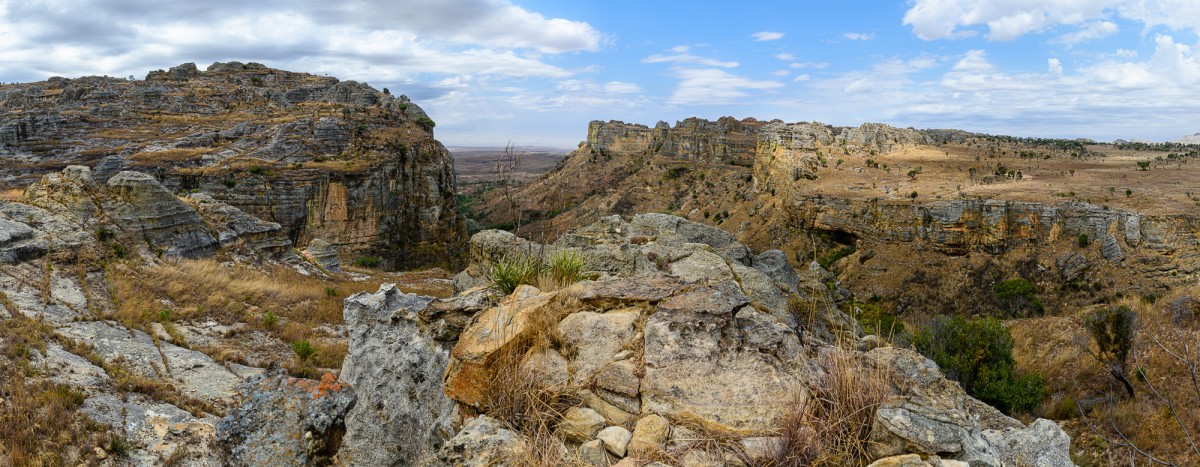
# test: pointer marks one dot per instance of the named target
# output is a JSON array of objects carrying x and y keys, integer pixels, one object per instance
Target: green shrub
[
  {"x": 331, "y": 291},
  {"x": 256, "y": 170},
  {"x": 270, "y": 320},
  {"x": 506, "y": 275},
  {"x": 874, "y": 320},
  {"x": 368, "y": 261},
  {"x": 826, "y": 261},
  {"x": 566, "y": 267},
  {"x": 1083, "y": 240},
  {"x": 304, "y": 350},
  {"x": 978, "y": 354},
  {"x": 1018, "y": 298},
  {"x": 1113, "y": 331}
]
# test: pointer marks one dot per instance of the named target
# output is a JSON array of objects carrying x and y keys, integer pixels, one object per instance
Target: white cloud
[
  {"x": 787, "y": 57},
  {"x": 815, "y": 65},
  {"x": 1089, "y": 31},
  {"x": 682, "y": 55},
  {"x": 859, "y": 36},
  {"x": 781, "y": 72},
  {"x": 617, "y": 87},
  {"x": 583, "y": 86},
  {"x": 1008, "y": 20},
  {"x": 711, "y": 86},
  {"x": 1126, "y": 53},
  {"x": 1055, "y": 67},
  {"x": 767, "y": 36},
  {"x": 801, "y": 78}
]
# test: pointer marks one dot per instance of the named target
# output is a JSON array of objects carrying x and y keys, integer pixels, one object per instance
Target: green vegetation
[
  {"x": 566, "y": 267},
  {"x": 832, "y": 256},
  {"x": 506, "y": 275},
  {"x": 304, "y": 350},
  {"x": 368, "y": 261},
  {"x": 875, "y": 321},
  {"x": 1113, "y": 331},
  {"x": 1083, "y": 240},
  {"x": 1018, "y": 298},
  {"x": 978, "y": 354}
]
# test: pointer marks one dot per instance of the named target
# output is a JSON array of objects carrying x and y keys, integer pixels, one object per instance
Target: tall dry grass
[{"x": 831, "y": 417}]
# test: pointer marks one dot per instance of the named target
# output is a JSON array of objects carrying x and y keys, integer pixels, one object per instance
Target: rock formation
[{"x": 322, "y": 158}]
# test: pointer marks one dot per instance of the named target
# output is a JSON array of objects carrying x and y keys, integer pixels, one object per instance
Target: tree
[
  {"x": 506, "y": 169},
  {"x": 1113, "y": 332},
  {"x": 978, "y": 354}
]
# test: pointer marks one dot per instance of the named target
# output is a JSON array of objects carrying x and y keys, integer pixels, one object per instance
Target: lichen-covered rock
[
  {"x": 483, "y": 442},
  {"x": 286, "y": 421},
  {"x": 402, "y": 416},
  {"x": 232, "y": 225}
]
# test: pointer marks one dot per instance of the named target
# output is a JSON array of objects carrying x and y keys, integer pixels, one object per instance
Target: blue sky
[{"x": 535, "y": 72}]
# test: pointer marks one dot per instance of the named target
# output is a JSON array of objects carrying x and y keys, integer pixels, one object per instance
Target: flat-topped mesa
[
  {"x": 727, "y": 139},
  {"x": 800, "y": 149},
  {"x": 323, "y": 158}
]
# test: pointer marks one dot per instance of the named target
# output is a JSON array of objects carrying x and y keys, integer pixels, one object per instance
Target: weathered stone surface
[
  {"x": 580, "y": 424},
  {"x": 324, "y": 255},
  {"x": 616, "y": 439},
  {"x": 774, "y": 264},
  {"x": 907, "y": 460},
  {"x": 470, "y": 369},
  {"x": 597, "y": 338},
  {"x": 1042, "y": 444},
  {"x": 449, "y": 316},
  {"x": 649, "y": 435},
  {"x": 17, "y": 243},
  {"x": 156, "y": 429},
  {"x": 1071, "y": 266},
  {"x": 621, "y": 289},
  {"x": 549, "y": 366},
  {"x": 395, "y": 366},
  {"x": 1111, "y": 249},
  {"x": 483, "y": 442},
  {"x": 286, "y": 421},
  {"x": 142, "y": 207},
  {"x": 232, "y": 224},
  {"x": 593, "y": 453}
]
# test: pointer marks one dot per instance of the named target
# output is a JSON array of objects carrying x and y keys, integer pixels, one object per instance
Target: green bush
[
  {"x": 566, "y": 267},
  {"x": 304, "y": 350},
  {"x": 1113, "y": 331},
  {"x": 978, "y": 354},
  {"x": 270, "y": 320},
  {"x": 826, "y": 261},
  {"x": 1083, "y": 240},
  {"x": 506, "y": 275},
  {"x": 1018, "y": 298},
  {"x": 368, "y": 262},
  {"x": 874, "y": 320}
]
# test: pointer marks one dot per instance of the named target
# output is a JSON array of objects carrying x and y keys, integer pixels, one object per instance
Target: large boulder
[
  {"x": 286, "y": 421},
  {"x": 395, "y": 365},
  {"x": 141, "y": 207}
]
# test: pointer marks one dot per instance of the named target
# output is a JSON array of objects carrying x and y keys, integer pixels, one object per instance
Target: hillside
[{"x": 325, "y": 158}]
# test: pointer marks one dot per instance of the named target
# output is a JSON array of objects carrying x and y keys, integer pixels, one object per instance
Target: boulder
[
  {"x": 483, "y": 442},
  {"x": 649, "y": 435},
  {"x": 286, "y": 421},
  {"x": 395, "y": 366},
  {"x": 324, "y": 255},
  {"x": 580, "y": 424},
  {"x": 141, "y": 207},
  {"x": 1071, "y": 266},
  {"x": 616, "y": 439},
  {"x": 1111, "y": 249}
]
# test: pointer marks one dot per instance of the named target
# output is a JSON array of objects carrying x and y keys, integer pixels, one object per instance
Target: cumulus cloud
[
  {"x": 762, "y": 36},
  {"x": 1008, "y": 20},
  {"x": 121, "y": 37},
  {"x": 786, "y": 57},
  {"x": 711, "y": 86},
  {"x": 858, "y": 36}
]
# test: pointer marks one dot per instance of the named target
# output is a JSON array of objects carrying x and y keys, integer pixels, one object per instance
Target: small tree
[
  {"x": 1018, "y": 297},
  {"x": 1113, "y": 331},
  {"x": 978, "y": 354}
]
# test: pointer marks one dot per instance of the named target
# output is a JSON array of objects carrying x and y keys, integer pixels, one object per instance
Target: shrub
[
  {"x": 978, "y": 354},
  {"x": 270, "y": 320},
  {"x": 368, "y": 261},
  {"x": 331, "y": 291},
  {"x": 1018, "y": 297},
  {"x": 1113, "y": 331},
  {"x": 506, "y": 275},
  {"x": 1083, "y": 240},
  {"x": 826, "y": 261},
  {"x": 304, "y": 350},
  {"x": 256, "y": 170},
  {"x": 875, "y": 321}
]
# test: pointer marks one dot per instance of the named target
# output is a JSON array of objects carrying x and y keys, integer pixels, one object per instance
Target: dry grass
[
  {"x": 832, "y": 416},
  {"x": 193, "y": 290},
  {"x": 40, "y": 422}
]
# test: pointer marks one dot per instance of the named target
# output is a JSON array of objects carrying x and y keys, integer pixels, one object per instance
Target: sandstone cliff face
[
  {"x": 321, "y": 157},
  {"x": 726, "y": 139}
]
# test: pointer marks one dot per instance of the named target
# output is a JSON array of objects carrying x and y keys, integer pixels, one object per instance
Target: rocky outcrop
[
  {"x": 679, "y": 334},
  {"x": 336, "y": 160},
  {"x": 286, "y": 421},
  {"x": 141, "y": 207},
  {"x": 402, "y": 416},
  {"x": 726, "y": 139},
  {"x": 324, "y": 255},
  {"x": 233, "y": 226}
]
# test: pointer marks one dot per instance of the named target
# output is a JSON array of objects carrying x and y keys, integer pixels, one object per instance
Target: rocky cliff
[{"x": 323, "y": 158}]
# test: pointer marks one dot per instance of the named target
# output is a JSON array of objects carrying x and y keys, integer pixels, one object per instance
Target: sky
[{"x": 535, "y": 72}]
